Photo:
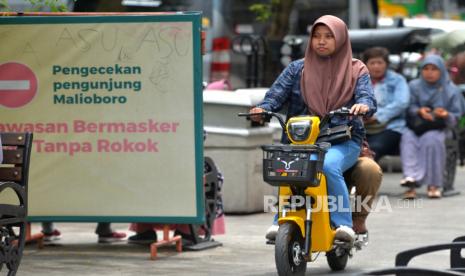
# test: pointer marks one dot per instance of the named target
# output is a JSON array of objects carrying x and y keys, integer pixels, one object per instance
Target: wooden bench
[{"x": 14, "y": 172}]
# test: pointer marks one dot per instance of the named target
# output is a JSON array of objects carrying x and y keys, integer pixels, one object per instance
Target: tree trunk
[
  {"x": 99, "y": 6},
  {"x": 278, "y": 29},
  {"x": 280, "y": 19},
  {"x": 110, "y": 6}
]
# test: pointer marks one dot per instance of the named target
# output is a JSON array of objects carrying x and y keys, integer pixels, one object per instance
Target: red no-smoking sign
[{"x": 18, "y": 84}]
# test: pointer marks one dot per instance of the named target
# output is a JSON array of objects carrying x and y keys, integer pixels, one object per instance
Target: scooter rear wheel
[
  {"x": 337, "y": 260},
  {"x": 288, "y": 250}
]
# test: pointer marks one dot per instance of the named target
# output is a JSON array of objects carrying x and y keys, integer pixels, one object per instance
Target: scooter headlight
[{"x": 299, "y": 131}]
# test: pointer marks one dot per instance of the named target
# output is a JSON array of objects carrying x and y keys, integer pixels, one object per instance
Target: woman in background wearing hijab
[
  {"x": 423, "y": 157},
  {"x": 328, "y": 78}
]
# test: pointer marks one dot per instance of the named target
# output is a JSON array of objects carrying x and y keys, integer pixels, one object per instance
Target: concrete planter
[{"x": 234, "y": 145}]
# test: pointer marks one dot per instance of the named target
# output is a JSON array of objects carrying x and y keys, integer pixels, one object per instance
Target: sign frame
[{"x": 195, "y": 19}]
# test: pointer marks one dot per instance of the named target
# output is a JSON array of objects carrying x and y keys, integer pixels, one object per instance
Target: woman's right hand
[
  {"x": 440, "y": 112},
  {"x": 425, "y": 113},
  {"x": 256, "y": 118}
]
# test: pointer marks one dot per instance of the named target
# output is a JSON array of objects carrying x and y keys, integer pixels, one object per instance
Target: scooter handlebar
[
  {"x": 266, "y": 116},
  {"x": 343, "y": 111}
]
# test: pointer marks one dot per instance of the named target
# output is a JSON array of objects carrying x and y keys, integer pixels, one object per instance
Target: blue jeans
[{"x": 338, "y": 159}]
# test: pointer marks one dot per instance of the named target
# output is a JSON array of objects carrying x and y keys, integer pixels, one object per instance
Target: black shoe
[
  {"x": 183, "y": 235},
  {"x": 146, "y": 237},
  {"x": 409, "y": 182}
]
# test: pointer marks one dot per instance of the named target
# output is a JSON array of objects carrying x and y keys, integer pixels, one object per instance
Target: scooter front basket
[{"x": 299, "y": 165}]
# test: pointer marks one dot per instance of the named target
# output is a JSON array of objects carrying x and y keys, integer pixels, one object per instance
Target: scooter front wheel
[{"x": 289, "y": 247}]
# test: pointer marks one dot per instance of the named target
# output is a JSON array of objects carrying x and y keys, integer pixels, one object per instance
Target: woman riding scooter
[{"x": 326, "y": 79}]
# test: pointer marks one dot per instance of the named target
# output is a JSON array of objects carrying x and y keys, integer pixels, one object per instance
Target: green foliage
[
  {"x": 3, "y": 4},
  {"x": 264, "y": 11},
  {"x": 38, "y": 5}
]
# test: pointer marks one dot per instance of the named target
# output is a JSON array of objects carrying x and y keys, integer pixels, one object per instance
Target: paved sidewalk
[{"x": 244, "y": 252}]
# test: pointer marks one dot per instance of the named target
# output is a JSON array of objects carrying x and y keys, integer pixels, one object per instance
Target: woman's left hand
[{"x": 359, "y": 109}]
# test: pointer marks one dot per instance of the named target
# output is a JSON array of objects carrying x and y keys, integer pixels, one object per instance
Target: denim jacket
[
  {"x": 286, "y": 90},
  {"x": 392, "y": 96}
]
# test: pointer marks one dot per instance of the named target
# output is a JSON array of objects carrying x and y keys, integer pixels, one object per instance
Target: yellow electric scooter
[{"x": 304, "y": 222}]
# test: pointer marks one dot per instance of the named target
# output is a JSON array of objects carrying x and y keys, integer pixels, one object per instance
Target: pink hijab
[{"x": 329, "y": 82}]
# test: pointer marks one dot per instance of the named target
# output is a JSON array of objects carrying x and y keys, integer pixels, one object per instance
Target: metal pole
[
  {"x": 217, "y": 19},
  {"x": 354, "y": 14},
  {"x": 446, "y": 9}
]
